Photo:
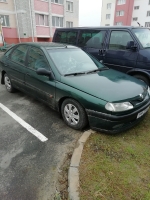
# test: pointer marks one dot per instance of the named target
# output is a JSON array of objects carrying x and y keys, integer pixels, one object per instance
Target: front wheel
[
  {"x": 8, "y": 84},
  {"x": 74, "y": 114}
]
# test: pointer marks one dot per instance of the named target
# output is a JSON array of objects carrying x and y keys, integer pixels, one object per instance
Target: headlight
[
  {"x": 118, "y": 107},
  {"x": 148, "y": 90}
]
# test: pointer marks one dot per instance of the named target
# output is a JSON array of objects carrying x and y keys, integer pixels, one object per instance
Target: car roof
[
  {"x": 49, "y": 45},
  {"x": 102, "y": 27}
]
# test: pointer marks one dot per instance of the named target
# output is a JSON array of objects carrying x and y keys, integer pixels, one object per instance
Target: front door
[
  {"x": 93, "y": 42},
  {"x": 40, "y": 86},
  {"x": 116, "y": 55}
]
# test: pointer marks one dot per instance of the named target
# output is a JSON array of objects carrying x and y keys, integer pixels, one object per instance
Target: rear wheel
[
  {"x": 74, "y": 114},
  {"x": 8, "y": 84},
  {"x": 142, "y": 78}
]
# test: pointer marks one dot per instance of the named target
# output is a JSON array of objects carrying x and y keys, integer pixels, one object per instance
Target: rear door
[
  {"x": 116, "y": 55},
  {"x": 16, "y": 65},
  {"x": 93, "y": 42}
]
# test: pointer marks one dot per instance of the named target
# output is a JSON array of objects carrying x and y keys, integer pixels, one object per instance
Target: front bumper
[{"x": 114, "y": 124}]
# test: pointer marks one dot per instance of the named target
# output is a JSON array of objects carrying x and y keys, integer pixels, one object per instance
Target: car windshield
[
  {"x": 69, "y": 61},
  {"x": 143, "y": 36}
]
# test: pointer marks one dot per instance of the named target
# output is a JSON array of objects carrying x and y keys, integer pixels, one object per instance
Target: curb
[{"x": 73, "y": 174}]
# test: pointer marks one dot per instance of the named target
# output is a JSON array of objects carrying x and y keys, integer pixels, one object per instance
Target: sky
[{"x": 90, "y": 12}]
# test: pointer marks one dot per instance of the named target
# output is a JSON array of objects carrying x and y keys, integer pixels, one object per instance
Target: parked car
[
  {"x": 126, "y": 49},
  {"x": 77, "y": 85}
]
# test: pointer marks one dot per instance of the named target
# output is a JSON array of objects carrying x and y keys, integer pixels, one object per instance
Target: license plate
[{"x": 140, "y": 114}]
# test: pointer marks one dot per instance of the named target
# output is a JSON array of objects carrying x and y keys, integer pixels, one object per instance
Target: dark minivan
[{"x": 124, "y": 48}]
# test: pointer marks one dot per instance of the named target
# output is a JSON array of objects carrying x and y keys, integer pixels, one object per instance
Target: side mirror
[
  {"x": 131, "y": 45},
  {"x": 42, "y": 71}
]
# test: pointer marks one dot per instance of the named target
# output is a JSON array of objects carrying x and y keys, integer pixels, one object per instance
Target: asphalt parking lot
[{"x": 28, "y": 166}]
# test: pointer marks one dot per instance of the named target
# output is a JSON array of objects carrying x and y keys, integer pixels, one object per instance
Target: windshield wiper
[
  {"x": 91, "y": 71},
  {"x": 96, "y": 70},
  {"x": 74, "y": 74}
]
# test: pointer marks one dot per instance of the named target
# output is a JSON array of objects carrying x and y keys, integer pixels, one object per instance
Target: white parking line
[{"x": 24, "y": 124}]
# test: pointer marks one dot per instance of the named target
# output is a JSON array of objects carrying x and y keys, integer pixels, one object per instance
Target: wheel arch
[
  {"x": 139, "y": 72},
  {"x": 64, "y": 98}
]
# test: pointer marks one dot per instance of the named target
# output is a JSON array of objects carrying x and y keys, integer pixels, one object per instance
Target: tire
[
  {"x": 142, "y": 78},
  {"x": 8, "y": 84},
  {"x": 74, "y": 114}
]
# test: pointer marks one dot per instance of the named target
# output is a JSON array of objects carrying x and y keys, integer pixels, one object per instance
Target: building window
[
  {"x": 119, "y": 23},
  {"x": 57, "y": 1},
  {"x": 120, "y": 2},
  {"x": 147, "y": 24},
  {"x": 107, "y": 24},
  {"x": 69, "y": 6},
  {"x": 57, "y": 21},
  {"x": 148, "y": 13},
  {"x": 135, "y": 18},
  {"x": 5, "y": 20},
  {"x": 2, "y": 0},
  {"x": 136, "y": 7},
  {"x": 107, "y": 16},
  {"x": 120, "y": 13},
  {"x": 69, "y": 24},
  {"x": 41, "y": 20},
  {"x": 109, "y": 6}
]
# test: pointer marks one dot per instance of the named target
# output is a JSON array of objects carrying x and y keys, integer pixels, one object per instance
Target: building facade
[
  {"x": 35, "y": 20},
  {"x": 125, "y": 12}
]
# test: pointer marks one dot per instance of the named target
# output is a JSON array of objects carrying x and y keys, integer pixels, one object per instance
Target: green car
[{"x": 77, "y": 85}]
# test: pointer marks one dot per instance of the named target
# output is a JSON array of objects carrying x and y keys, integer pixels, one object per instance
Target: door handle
[{"x": 102, "y": 52}]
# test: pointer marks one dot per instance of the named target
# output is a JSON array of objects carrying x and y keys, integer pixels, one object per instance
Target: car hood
[{"x": 109, "y": 85}]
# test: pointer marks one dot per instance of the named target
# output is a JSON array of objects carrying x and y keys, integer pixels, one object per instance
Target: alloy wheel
[
  {"x": 7, "y": 83},
  {"x": 71, "y": 114}
]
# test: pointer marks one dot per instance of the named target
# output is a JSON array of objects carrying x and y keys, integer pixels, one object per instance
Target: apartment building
[
  {"x": 125, "y": 12},
  {"x": 36, "y": 20},
  {"x": 108, "y": 9}
]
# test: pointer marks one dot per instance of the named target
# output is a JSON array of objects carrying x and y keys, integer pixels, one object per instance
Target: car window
[
  {"x": 36, "y": 59},
  {"x": 143, "y": 35},
  {"x": 68, "y": 37},
  {"x": 119, "y": 40},
  {"x": 91, "y": 38},
  {"x": 19, "y": 54},
  {"x": 8, "y": 52}
]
